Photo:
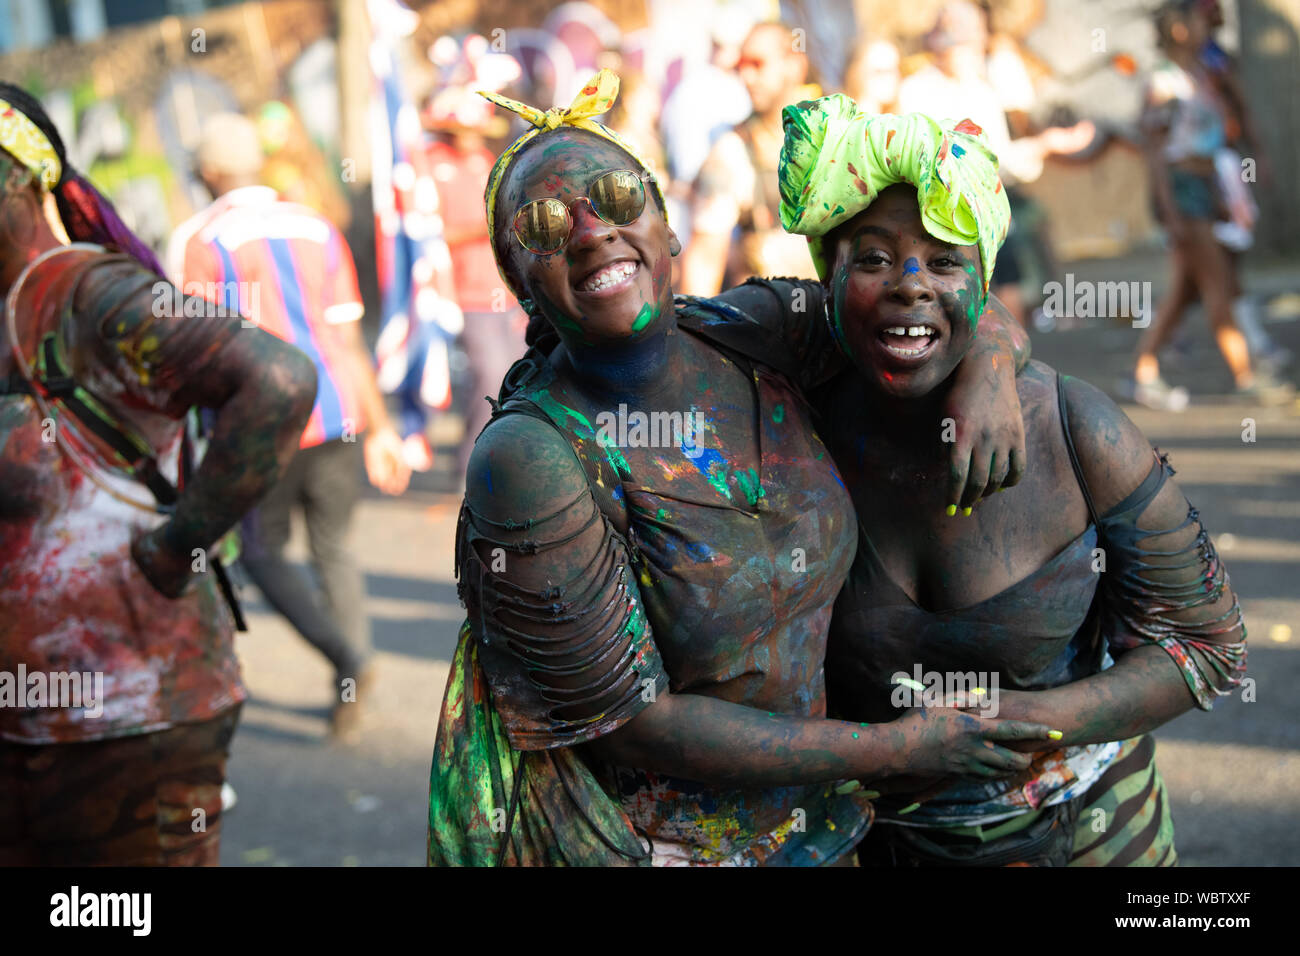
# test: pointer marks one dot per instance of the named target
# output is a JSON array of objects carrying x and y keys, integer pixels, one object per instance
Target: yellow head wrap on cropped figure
[
  {"x": 595, "y": 98},
  {"x": 23, "y": 140},
  {"x": 836, "y": 159}
]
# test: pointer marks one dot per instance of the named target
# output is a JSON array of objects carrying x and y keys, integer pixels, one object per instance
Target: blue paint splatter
[
  {"x": 910, "y": 266},
  {"x": 957, "y": 150},
  {"x": 700, "y": 551}
]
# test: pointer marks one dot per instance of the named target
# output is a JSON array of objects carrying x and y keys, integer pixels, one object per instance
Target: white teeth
[
  {"x": 913, "y": 331},
  {"x": 608, "y": 276},
  {"x": 906, "y": 353},
  {"x": 896, "y": 330}
]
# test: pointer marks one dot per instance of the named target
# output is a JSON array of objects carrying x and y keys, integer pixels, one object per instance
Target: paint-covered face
[
  {"x": 905, "y": 304},
  {"x": 608, "y": 283}
]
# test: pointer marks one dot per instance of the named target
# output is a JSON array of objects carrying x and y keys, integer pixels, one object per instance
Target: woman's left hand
[
  {"x": 987, "y": 431},
  {"x": 981, "y": 415}
]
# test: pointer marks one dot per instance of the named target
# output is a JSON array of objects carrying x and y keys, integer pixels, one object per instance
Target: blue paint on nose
[{"x": 910, "y": 266}]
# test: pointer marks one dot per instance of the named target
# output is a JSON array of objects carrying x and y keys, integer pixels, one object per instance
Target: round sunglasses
[{"x": 543, "y": 226}]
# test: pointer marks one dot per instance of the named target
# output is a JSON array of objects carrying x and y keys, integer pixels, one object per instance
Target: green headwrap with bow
[{"x": 836, "y": 160}]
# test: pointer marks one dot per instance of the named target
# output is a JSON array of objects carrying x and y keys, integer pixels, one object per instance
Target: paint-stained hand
[
  {"x": 982, "y": 419},
  {"x": 162, "y": 565},
  {"x": 938, "y": 740}
]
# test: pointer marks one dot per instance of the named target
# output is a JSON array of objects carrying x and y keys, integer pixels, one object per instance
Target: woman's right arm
[{"x": 571, "y": 658}]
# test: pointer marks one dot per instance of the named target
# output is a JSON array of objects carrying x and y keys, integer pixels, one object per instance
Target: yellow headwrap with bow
[
  {"x": 23, "y": 140},
  {"x": 595, "y": 98}
]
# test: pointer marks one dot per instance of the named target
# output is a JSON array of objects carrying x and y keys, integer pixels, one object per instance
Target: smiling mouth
[
  {"x": 909, "y": 341},
  {"x": 609, "y": 278}
]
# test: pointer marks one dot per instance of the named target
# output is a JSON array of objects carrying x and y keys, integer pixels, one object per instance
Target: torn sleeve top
[
  {"x": 1063, "y": 623},
  {"x": 676, "y": 568}
]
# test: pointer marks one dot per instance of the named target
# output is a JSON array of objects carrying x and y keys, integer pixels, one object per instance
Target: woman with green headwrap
[
  {"x": 1088, "y": 598},
  {"x": 651, "y": 544}
]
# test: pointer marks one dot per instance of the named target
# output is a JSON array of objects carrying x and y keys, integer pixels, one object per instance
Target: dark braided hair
[{"x": 87, "y": 215}]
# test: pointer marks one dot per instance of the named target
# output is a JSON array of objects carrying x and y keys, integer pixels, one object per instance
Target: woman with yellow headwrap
[
  {"x": 904, "y": 217},
  {"x": 650, "y": 546}
]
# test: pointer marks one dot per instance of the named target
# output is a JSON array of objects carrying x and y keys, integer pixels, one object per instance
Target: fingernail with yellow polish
[
  {"x": 966, "y": 511},
  {"x": 952, "y": 510},
  {"x": 871, "y": 794},
  {"x": 1055, "y": 734},
  {"x": 915, "y": 806}
]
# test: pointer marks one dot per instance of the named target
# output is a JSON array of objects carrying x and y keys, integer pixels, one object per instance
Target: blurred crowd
[{"x": 709, "y": 121}]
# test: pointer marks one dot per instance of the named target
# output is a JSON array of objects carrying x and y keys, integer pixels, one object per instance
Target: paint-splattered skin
[
  {"x": 66, "y": 546},
  {"x": 890, "y": 460},
  {"x": 739, "y": 622},
  {"x": 742, "y": 626}
]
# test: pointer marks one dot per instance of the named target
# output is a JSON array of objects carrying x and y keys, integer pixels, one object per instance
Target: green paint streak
[
  {"x": 559, "y": 411},
  {"x": 643, "y": 318},
  {"x": 636, "y": 622},
  {"x": 718, "y": 479},
  {"x": 748, "y": 481},
  {"x": 661, "y": 514},
  {"x": 778, "y": 414}
]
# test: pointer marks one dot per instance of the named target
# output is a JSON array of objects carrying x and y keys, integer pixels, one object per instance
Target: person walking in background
[
  {"x": 104, "y": 528},
  {"x": 1184, "y": 121},
  {"x": 461, "y": 121},
  {"x": 292, "y": 273},
  {"x": 737, "y": 185},
  {"x": 1236, "y": 233}
]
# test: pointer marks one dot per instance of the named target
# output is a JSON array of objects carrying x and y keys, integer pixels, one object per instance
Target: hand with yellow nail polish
[{"x": 940, "y": 740}]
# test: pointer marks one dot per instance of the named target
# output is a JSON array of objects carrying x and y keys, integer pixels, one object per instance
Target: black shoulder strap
[
  {"x": 134, "y": 452},
  {"x": 1064, "y": 410}
]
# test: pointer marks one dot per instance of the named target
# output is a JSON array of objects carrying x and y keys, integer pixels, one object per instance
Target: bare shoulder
[
  {"x": 1036, "y": 383},
  {"x": 1114, "y": 454},
  {"x": 522, "y": 468}
]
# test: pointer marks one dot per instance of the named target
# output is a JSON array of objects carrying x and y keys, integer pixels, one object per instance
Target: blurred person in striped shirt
[{"x": 288, "y": 270}]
